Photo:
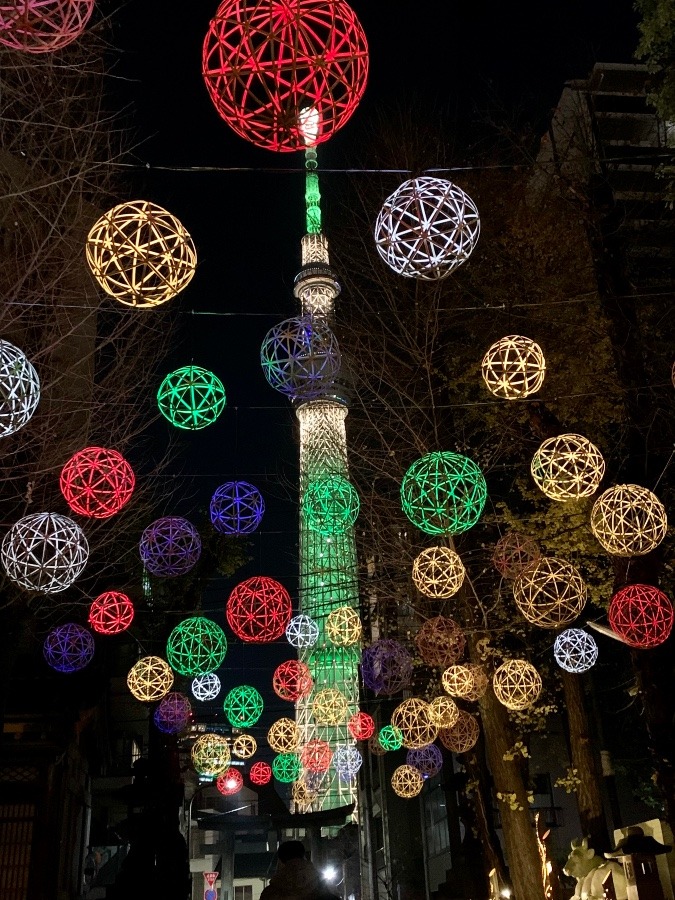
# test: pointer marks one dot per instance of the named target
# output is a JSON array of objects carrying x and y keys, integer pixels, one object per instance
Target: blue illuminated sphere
[
  {"x": 173, "y": 713},
  {"x": 427, "y": 760},
  {"x": 170, "y": 546},
  {"x": 386, "y": 667},
  {"x": 69, "y": 647},
  {"x": 237, "y": 507},
  {"x": 300, "y": 358}
]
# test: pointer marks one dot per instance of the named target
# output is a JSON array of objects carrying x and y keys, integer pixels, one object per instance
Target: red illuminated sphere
[
  {"x": 230, "y": 782},
  {"x": 42, "y": 26},
  {"x": 292, "y": 680},
  {"x": 642, "y": 615},
  {"x": 285, "y": 75},
  {"x": 97, "y": 482},
  {"x": 361, "y": 726},
  {"x": 111, "y": 613},
  {"x": 316, "y": 755},
  {"x": 261, "y": 773},
  {"x": 258, "y": 610}
]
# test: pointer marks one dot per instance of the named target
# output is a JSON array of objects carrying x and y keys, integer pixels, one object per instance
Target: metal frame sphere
[
  {"x": 205, "y": 687},
  {"x": 466, "y": 680},
  {"x": 292, "y": 680},
  {"x": 413, "y": 719},
  {"x": 302, "y": 632},
  {"x": 438, "y": 572},
  {"x": 443, "y": 712},
  {"x": 44, "y": 552},
  {"x": 42, "y": 26},
  {"x": 243, "y": 706},
  {"x": 170, "y": 546},
  {"x": 191, "y": 398},
  {"x": 19, "y": 389},
  {"x": 568, "y": 467},
  {"x": 236, "y": 507},
  {"x": 443, "y": 493},
  {"x": 140, "y": 254},
  {"x": 514, "y": 367},
  {"x": 196, "y": 646},
  {"x": 464, "y": 734},
  {"x": 513, "y": 553},
  {"x": 440, "y": 642},
  {"x": 283, "y": 736},
  {"x": 230, "y": 782},
  {"x": 300, "y": 358},
  {"x": 96, "y": 482},
  {"x": 258, "y": 610},
  {"x": 173, "y": 713},
  {"x": 150, "y": 679},
  {"x": 629, "y": 520},
  {"x": 302, "y": 794},
  {"x": 69, "y": 647},
  {"x": 407, "y": 781},
  {"x": 361, "y": 726},
  {"x": 330, "y": 505},
  {"x": 575, "y": 650},
  {"x": 285, "y": 76},
  {"x": 427, "y": 228},
  {"x": 316, "y": 755},
  {"x": 329, "y": 707},
  {"x": 389, "y": 737},
  {"x": 427, "y": 760},
  {"x": 642, "y": 615},
  {"x": 210, "y": 755},
  {"x": 386, "y": 667},
  {"x": 516, "y": 684},
  {"x": 550, "y": 593},
  {"x": 111, "y": 613},
  {"x": 343, "y": 627},
  {"x": 261, "y": 773},
  {"x": 244, "y": 746},
  {"x": 347, "y": 761},
  {"x": 286, "y": 767}
]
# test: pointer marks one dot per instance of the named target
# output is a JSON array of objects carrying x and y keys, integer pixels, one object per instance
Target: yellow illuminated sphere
[
  {"x": 467, "y": 680},
  {"x": 244, "y": 746},
  {"x": 514, "y": 367},
  {"x": 329, "y": 707},
  {"x": 629, "y": 520},
  {"x": 210, "y": 755},
  {"x": 438, "y": 572},
  {"x": 302, "y": 794},
  {"x": 443, "y": 712},
  {"x": 284, "y": 736},
  {"x": 407, "y": 781},
  {"x": 463, "y": 735},
  {"x": 516, "y": 684},
  {"x": 568, "y": 467},
  {"x": 343, "y": 626},
  {"x": 150, "y": 679},
  {"x": 413, "y": 719},
  {"x": 550, "y": 593}
]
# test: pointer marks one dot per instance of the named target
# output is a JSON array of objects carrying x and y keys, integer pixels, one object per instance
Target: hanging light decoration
[
  {"x": 329, "y": 707},
  {"x": 642, "y": 615},
  {"x": 230, "y": 782},
  {"x": 468, "y": 681},
  {"x": 286, "y": 767},
  {"x": 427, "y": 228},
  {"x": 440, "y": 642},
  {"x": 514, "y": 367},
  {"x": 390, "y": 738},
  {"x": 97, "y": 483},
  {"x": 316, "y": 755},
  {"x": 361, "y": 726},
  {"x": 69, "y": 647},
  {"x": 629, "y": 520},
  {"x": 386, "y": 667},
  {"x": 206, "y": 687},
  {"x": 407, "y": 781},
  {"x": 513, "y": 553},
  {"x": 236, "y": 507},
  {"x": 443, "y": 493},
  {"x": 111, "y": 613},
  {"x": 19, "y": 384},
  {"x": 343, "y": 626},
  {"x": 347, "y": 761},
  {"x": 427, "y": 760},
  {"x": 44, "y": 552},
  {"x": 302, "y": 794},
  {"x": 438, "y": 572},
  {"x": 210, "y": 755},
  {"x": 302, "y": 632},
  {"x": 170, "y": 546},
  {"x": 463, "y": 735},
  {"x": 243, "y": 706},
  {"x": 300, "y": 358},
  {"x": 285, "y": 77},
  {"x": 550, "y": 593},
  {"x": 244, "y": 746},
  {"x": 283, "y": 736},
  {"x": 150, "y": 679},
  {"x": 191, "y": 398},
  {"x": 516, "y": 684},
  {"x": 575, "y": 650},
  {"x": 413, "y": 719},
  {"x": 261, "y": 773},
  {"x": 196, "y": 646},
  {"x": 568, "y": 467},
  {"x": 443, "y": 712},
  {"x": 42, "y": 26},
  {"x": 258, "y": 610},
  {"x": 330, "y": 505},
  {"x": 140, "y": 254},
  {"x": 292, "y": 680},
  {"x": 173, "y": 713},
  {"x": 375, "y": 747}
]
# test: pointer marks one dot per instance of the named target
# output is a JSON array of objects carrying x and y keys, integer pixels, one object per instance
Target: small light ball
[
  {"x": 361, "y": 726},
  {"x": 286, "y": 767},
  {"x": 427, "y": 760},
  {"x": 19, "y": 382},
  {"x": 111, "y": 613},
  {"x": 210, "y": 755},
  {"x": 413, "y": 719},
  {"x": 330, "y": 505},
  {"x": 68, "y": 648},
  {"x": 243, "y": 706},
  {"x": 283, "y": 736},
  {"x": 516, "y": 684},
  {"x": 463, "y": 735},
  {"x": 196, "y": 646},
  {"x": 443, "y": 493},
  {"x": 513, "y": 553},
  {"x": 575, "y": 650},
  {"x": 407, "y": 781},
  {"x": 390, "y": 737},
  {"x": 140, "y": 254},
  {"x": 343, "y": 626},
  {"x": 550, "y": 593},
  {"x": 443, "y": 712},
  {"x": 206, "y": 687},
  {"x": 170, "y": 546},
  {"x": 191, "y": 398},
  {"x": 96, "y": 482},
  {"x": 629, "y": 520},
  {"x": 261, "y": 773},
  {"x": 230, "y": 782},
  {"x": 329, "y": 707},
  {"x": 150, "y": 679},
  {"x": 244, "y": 746},
  {"x": 258, "y": 610},
  {"x": 237, "y": 507},
  {"x": 300, "y": 357},
  {"x": 316, "y": 755},
  {"x": 642, "y": 615},
  {"x": 386, "y": 667},
  {"x": 302, "y": 632},
  {"x": 568, "y": 467},
  {"x": 468, "y": 681},
  {"x": 375, "y": 746},
  {"x": 438, "y": 572},
  {"x": 347, "y": 761},
  {"x": 292, "y": 680},
  {"x": 302, "y": 794},
  {"x": 514, "y": 367},
  {"x": 440, "y": 642},
  {"x": 427, "y": 228},
  {"x": 173, "y": 713},
  {"x": 44, "y": 552},
  {"x": 42, "y": 26}
]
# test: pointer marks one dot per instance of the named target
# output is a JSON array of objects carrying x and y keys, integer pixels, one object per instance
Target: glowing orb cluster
[
  {"x": 575, "y": 650},
  {"x": 283, "y": 736},
  {"x": 466, "y": 680},
  {"x": 300, "y": 358},
  {"x": 316, "y": 755},
  {"x": 463, "y": 735},
  {"x": 19, "y": 384},
  {"x": 516, "y": 684},
  {"x": 69, "y": 647},
  {"x": 261, "y": 773},
  {"x": 390, "y": 738},
  {"x": 243, "y": 706},
  {"x": 427, "y": 228},
  {"x": 173, "y": 713},
  {"x": 230, "y": 782},
  {"x": 550, "y": 593},
  {"x": 513, "y": 553},
  {"x": 205, "y": 687},
  {"x": 329, "y": 707},
  {"x": 302, "y": 632},
  {"x": 346, "y": 761},
  {"x": 292, "y": 680},
  {"x": 386, "y": 667},
  {"x": 191, "y": 398},
  {"x": 443, "y": 493},
  {"x": 236, "y": 507},
  {"x": 629, "y": 520},
  {"x": 258, "y": 610},
  {"x": 286, "y": 767},
  {"x": 330, "y": 505},
  {"x": 568, "y": 467},
  {"x": 244, "y": 746},
  {"x": 96, "y": 482},
  {"x": 111, "y": 613},
  {"x": 361, "y": 726},
  {"x": 196, "y": 646},
  {"x": 642, "y": 615},
  {"x": 343, "y": 626},
  {"x": 514, "y": 367},
  {"x": 407, "y": 781},
  {"x": 44, "y": 552},
  {"x": 42, "y": 26},
  {"x": 140, "y": 254},
  {"x": 427, "y": 760},
  {"x": 150, "y": 679},
  {"x": 438, "y": 572},
  {"x": 443, "y": 712},
  {"x": 440, "y": 642},
  {"x": 170, "y": 546},
  {"x": 413, "y": 719},
  {"x": 210, "y": 755}
]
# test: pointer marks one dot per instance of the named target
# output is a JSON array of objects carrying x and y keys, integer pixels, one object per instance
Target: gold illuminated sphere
[
  {"x": 550, "y": 593},
  {"x": 516, "y": 684},
  {"x": 467, "y": 680},
  {"x": 514, "y": 367},
  {"x": 629, "y": 520},
  {"x": 463, "y": 735},
  {"x": 284, "y": 736},
  {"x": 150, "y": 679},
  {"x": 244, "y": 746},
  {"x": 443, "y": 712},
  {"x": 413, "y": 719},
  {"x": 438, "y": 572},
  {"x": 302, "y": 794},
  {"x": 329, "y": 707},
  {"x": 568, "y": 467},
  {"x": 343, "y": 626},
  {"x": 210, "y": 755},
  {"x": 407, "y": 781}
]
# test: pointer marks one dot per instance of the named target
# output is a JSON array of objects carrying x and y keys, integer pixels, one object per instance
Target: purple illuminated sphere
[
  {"x": 386, "y": 667},
  {"x": 173, "y": 713},
  {"x": 69, "y": 647},
  {"x": 427, "y": 760},
  {"x": 170, "y": 546},
  {"x": 237, "y": 507}
]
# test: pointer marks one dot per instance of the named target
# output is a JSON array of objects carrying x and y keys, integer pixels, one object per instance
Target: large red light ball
[
  {"x": 292, "y": 680},
  {"x": 42, "y": 26},
  {"x": 111, "y": 613},
  {"x": 230, "y": 782},
  {"x": 258, "y": 610},
  {"x": 642, "y": 615},
  {"x": 285, "y": 75},
  {"x": 261, "y": 773},
  {"x": 316, "y": 755},
  {"x": 361, "y": 726},
  {"x": 97, "y": 482}
]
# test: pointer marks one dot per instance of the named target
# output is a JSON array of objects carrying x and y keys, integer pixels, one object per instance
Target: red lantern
[
  {"x": 642, "y": 615},
  {"x": 97, "y": 482},
  {"x": 258, "y": 610},
  {"x": 42, "y": 26},
  {"x": 111, "y": 613},
  {"x": 292, "y": 680},
  {"x": 316, "y": 755},
  {"x": 261, "y": 773},
  {"x": 361, "y": 726},
  {"x": 230, "y": 782},
  {"x": 285, "y": 75}
]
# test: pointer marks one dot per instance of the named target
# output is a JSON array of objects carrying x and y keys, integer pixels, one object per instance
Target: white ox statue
[{"x": 592, "y": 873}]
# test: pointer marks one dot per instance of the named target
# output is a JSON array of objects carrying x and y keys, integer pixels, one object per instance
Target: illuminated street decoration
[
  {"x": 210, "y": 755},
  {"x": 170, "y": 546},
  {"x": 292, "y": 680},
  {"x": 443, "y": 493},
  {"x": 258, "y": 610},
  {"x": 243, "y": 706},
  {"x": 466, "y": 680},
  {"x": 463, "y": 735},
  {"x": 244, "y": 746},
  {"x": 19, "y": 389},
  {"x": 191, "y": 398},
  {"x": 516, "y": 684},
  {"x": 427, "y": 760},
  {"x": 236, "y": 507},
  {"x": 150, "y": 679},
  {"x": 300, "y": 358},
  {"x": 302, "y": 632},
  {"x": 96, "y": 482},
  {"x": 205, "y": 687},
  {"x": 343, "y": 627},
  {"x": 514, "y": 367},
  {"x": 261, "y": 773},
  {"x": 407, "y": 781},
  {"x": 330, "y": 505},
  {"x": 413, "y": 719},
  {"x": 361, "y": 726},
  {"x": 111, "y": 613},
  {"x": 438, "y": 572},
  {"x": 440, "y": 642},
  {"x": 196, "y": 646},
  {"x": 230, "y": 782},
  {"x": 43, "y": 26},
  {"x": 283, "y": 736},
  {"x": 629, "y": 520},
  {"x": 443, "y": 712},
  {"x": 575, "y": 650},
  {"x": 514, "y": 552},
  {"x": 286, "y": 767},
  {"x": 642, "y": 615},
  {"x": 44, "y": 552},
  {"x": 390, "y": 738},
  {"x": 550, "y": 593},
  {"x": 386, "y": 666},
  {"x": 568, "y": 467},
  {"x": 173, "y": 713},
  {"x": 68, "y": 648}
]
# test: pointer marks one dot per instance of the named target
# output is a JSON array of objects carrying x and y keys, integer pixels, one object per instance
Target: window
[
  {"x": 243, "y": 892},
  {"x": 436, "y": 822}
]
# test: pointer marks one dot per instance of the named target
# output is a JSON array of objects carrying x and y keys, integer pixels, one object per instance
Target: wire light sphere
[
  {"x": 514, "y": 367},
  {"x": 343, "y": 627},
  {"x": 230, "y": 782},
  {"x": 329, "y": 707},
  {"x": 170, "y": 546},
  {"x": 285, "y": 76},
  {"x": 302, "y": 632},
  {"x": 568, "y": 467},
  {"x": 236, "y": 507},
  {"x": 443, "y": 493},
  {"x": 550, "y": 593},
  {"x": 438, "y": 572},
  {"x": 258, "y": 610},
  {"x": 283, "y": 736},
  {"x": 361, "y": 726},
  {"x": 629, "y": 520},
  {"x": 210, "y": 755},
  {"x": 243, "y": 706},
  {"x": 386, "y": 667},
  {"x": 575, "y": 650},
  {"x": 300, "y": 358},
  {"x": 292, "y": 680},
  {"x": 69, "y": 647},
  {"x": 244, "y": 746},
  {"x": 413, "y": 719},
  {"x": 443, "y": 712},
  {"x": 427, "y": 228},
  {"x": 191, "y": 398},
  {"x": 196, "y": 646},
  {"x": 463, "y": 735},
  {"x": 140, "y": 254},
  {"x": 150, "y": 679},
  {"x": 316, "y": 755},
  {"x": 261, "y": 773},
  {"x": 205, "y": 687},
  {"x": 347, "y": 761},
  {"x": 513, "y": 553},
  {"x": 641, "y": 615},
  {"x": 389, "y": 737},
  {"x": 375, "y": 747},
  {"x": 111, "y": 613},
  {"x": 516, "y": 684},
  {"x": 466, "y": 680},
  {"x": 19, "y": 388},
  {"x": 330, "y": 505},
  {"x": 302, "y": 794},
  {"x": 96, "y": 482},
  {"x": 407, "y": 781},
  {"x": 44, "y": 552},
  {"x": 173, "y": 713},
  {"x": 42, "y": 26},
  {"x": 440, "y": 642},
  {"x": 286, "y": 767},
  {"x": 427, "y": 760}
]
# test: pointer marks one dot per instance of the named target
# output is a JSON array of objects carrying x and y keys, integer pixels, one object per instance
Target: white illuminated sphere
[
  {"x": 206, "y": 687},
  {"x": 346, "y": 760},
  {"x": 19, "y": 389},
  {"x": 575, "y": 650},
  {"x": 44, "y": 552},
  {"x": 302, "y": 632},
  {"x": 427, "y": 228}
]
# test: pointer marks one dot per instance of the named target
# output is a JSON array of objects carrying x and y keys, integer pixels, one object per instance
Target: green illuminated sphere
[
  {"x": 286, "y": 767},
  {"x": 191, "y": 398},
  {"x": 196, "y": 646},
  {"x": 443, "y": 493},
  {"x": 390, "y": 738},
  {"x": 243, "y": 706},
  {"x": 330, "y": 505}
]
